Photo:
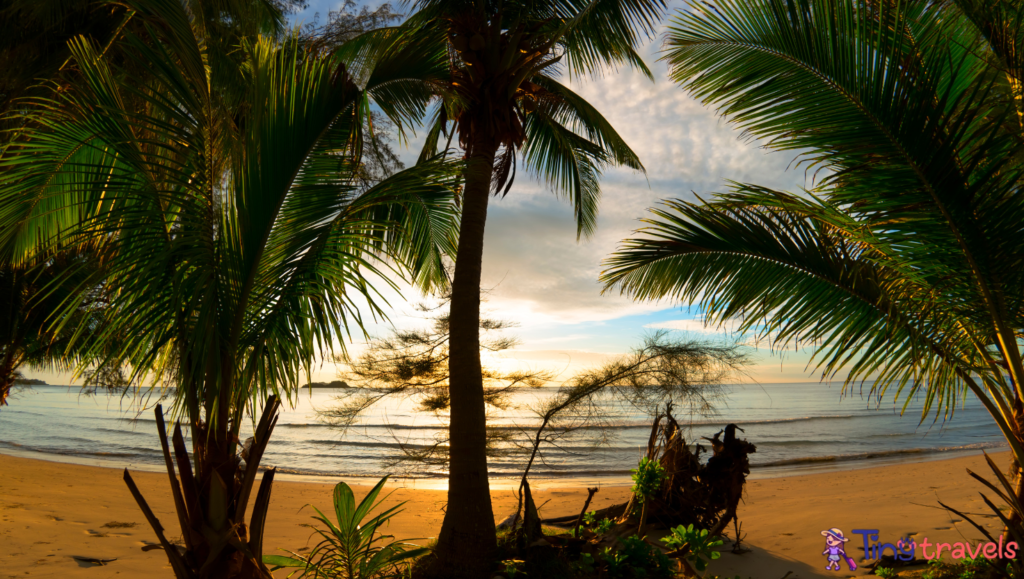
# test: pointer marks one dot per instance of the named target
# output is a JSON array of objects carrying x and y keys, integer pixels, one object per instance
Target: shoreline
[
  {"x": 432, "y": 484},
  {"x": 809, "y": 467},
  {"x": 51, "y": 511}
]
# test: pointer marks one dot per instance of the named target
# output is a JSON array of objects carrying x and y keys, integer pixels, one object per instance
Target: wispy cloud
[{"x": 697, "y": 326}]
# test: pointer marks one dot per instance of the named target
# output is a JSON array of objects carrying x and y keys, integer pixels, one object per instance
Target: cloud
[
  {"x": 697, "y": 326},
  {"x": 538, "y": 274},
  {"x": 532, "y": 259}
]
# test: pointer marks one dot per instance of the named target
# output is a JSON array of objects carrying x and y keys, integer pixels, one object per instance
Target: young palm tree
[
  {"x": 239, "y": 230},
  {"x": 904, "y": 264},
  {"x": 502, "y": 99}
]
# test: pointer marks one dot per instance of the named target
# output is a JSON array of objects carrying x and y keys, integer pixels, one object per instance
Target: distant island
[
  {"x": 335, "y": 384},
  {"x": 29, "y": 382}
]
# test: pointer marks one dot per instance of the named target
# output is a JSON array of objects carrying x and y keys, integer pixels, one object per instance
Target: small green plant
[
  {"x": 973, "y": 568},
  {"x": 699, "y": 542},
  {"x": 600, "y": 527},
  {"x": 934, "y": 570},
  {"x": 885, "y": 572},
  {"x": 514, "y": 568},
  {"x": 352, "y": 548},
  {"x": 647, "y": 479},
  {"x": 644, "y": 559},
  {"x": 615, "y": 561},
  {"x": 585, "y": 565}
]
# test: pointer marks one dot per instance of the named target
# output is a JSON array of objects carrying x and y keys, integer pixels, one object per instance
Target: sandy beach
[{"x": 51, "y": 512}]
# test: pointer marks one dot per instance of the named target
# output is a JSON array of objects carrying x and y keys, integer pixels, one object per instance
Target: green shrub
[
  {"x": 586, "y": 565},
  {"x": 352, "y": 548},
  {"x": 600, "y": 527},
  {"x": 647, "y": 478},
  {"x": 701, "y": 545},
  {"x": 616, "y": 563},
  {"x": 637, "y": 559},
  {"x": 885, "y": 572},
  {"x": 973, "y": 568}
]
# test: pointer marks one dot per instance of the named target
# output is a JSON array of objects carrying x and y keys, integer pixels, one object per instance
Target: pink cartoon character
[{"x": 834, "y": 540}]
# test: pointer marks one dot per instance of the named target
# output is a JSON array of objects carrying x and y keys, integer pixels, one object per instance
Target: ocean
[{"x": 797, "y": 428}]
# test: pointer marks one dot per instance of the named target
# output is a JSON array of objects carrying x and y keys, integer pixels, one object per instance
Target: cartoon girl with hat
[{"x": 834, "y": 540}]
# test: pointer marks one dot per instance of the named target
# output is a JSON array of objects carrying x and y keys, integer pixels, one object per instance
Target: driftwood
[
  {"x": 706, "y": 495},
  {"x": 612, "y": 512},
  {"x": 579, "y": 520}
]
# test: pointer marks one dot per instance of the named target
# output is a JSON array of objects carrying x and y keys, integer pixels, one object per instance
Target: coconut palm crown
[
  {"x": 903, "y": 265},
  {"x": 238, "y": 237}
]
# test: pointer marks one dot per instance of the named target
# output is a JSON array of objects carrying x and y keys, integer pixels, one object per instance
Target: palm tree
[
  {"x": 502, "y": 98},
  {"x": 36, "y": 35},
  {"x": 30, "y": 296},
  {"x": 904, "y": 263},
  {"x": 240, "y": 234}
]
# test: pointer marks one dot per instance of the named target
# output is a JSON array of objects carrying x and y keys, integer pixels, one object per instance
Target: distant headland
[
  {"x": 29, "y": 382},
  {"x": 334, "y": 384}
]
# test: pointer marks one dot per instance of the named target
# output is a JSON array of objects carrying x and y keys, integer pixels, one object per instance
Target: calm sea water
[{"x": 796, "y": 427}]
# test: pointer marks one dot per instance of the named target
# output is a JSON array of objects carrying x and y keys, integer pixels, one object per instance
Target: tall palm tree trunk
[{"x": 467, "y": 540}]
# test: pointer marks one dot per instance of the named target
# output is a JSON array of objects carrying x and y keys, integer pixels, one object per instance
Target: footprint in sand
[
  {"x": 118, "y": 525},
  {"x": 87, "y": 562},
  {"x": 943, "y": 528}
]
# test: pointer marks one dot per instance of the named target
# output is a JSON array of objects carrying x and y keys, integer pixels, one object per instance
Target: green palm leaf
[{"x": 902, "y": 265}]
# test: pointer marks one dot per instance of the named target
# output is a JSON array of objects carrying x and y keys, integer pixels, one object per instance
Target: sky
[{"x": 542, "y": 279}]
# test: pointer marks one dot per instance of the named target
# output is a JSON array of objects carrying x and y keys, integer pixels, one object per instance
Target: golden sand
[{"x": 51, "y": 512}]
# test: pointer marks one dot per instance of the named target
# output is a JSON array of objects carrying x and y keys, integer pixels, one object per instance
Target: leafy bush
[
  {"x": 586, "y": 565},
  {"x": 352, "y": 549},
  {"x": 600, "y": 527},
  {"x": 637, "y": 559},
  {"x": 616, "y": 563},
  {"x": 647, "y": 478},
  {"x": 701, "y": 545},
  {"x": 885, "y": 572},
  {"x": 934, "y": 570},
  {"x": 973, "y": 568}
]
